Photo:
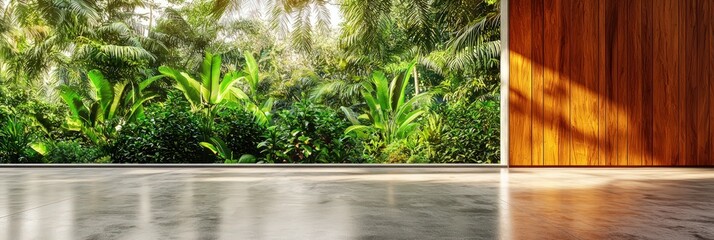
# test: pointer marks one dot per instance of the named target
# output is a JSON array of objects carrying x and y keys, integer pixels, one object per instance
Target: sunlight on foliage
[{"x": 248, "y": 81}]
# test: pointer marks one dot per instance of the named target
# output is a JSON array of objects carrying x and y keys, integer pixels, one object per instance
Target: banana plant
[
  {"x": 101, "y": 114},
  {"x": 210, "y": 91},
  {"x": 251, "y": 100},
  {"x": 390, "y": 115},
  {"x": 205, "y": 95}
]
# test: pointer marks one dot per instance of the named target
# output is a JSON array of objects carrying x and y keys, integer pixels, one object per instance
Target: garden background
[{"x": 241, "y": 81}]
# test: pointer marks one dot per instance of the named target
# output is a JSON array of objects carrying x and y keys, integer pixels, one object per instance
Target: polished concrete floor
[{"x": 356, "y": 203}]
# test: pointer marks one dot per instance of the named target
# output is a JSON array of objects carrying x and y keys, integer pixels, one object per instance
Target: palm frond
[
  {"x": 221, "y": 7},
  {"x": 63, "y": 12},
  {"x": 323, "y": 16},
  {"x": 301, "y": 36},
  {"x": 364, "y": 22},
  {"x": 474, "y": 33},
  {"x": 419, "y": 24},
  {"x": 116, "y": 29},
  {"x": 125, "y": 52},
  {"x": 485, "y": 55},
  {"x": 337, "y": 89}
]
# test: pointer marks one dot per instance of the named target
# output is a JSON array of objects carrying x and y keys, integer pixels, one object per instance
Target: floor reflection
[{"x": 356, "y": 203}]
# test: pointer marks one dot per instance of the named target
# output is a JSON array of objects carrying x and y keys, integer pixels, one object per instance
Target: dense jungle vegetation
[{"x": 241, "y": 81}]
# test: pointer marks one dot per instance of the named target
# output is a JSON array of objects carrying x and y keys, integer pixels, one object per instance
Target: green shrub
[
  {"x": 15, "y": 139},
  {"x": 395, "y": 153},
  {"x": 239, "y": 131},
  {"x": 470, "y": 134},
  {"x": 309, "y": 133},
  {"x": 410, "y": 150},
  {"x": 24, "y": 119},
  {"x": 169, "y": 133},
  {"x": 73, "y": 152},
  {"x": 23, "y": 104}
]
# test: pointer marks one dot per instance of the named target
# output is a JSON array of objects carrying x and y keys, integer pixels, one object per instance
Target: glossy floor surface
[{"x": 356, "y": 203}]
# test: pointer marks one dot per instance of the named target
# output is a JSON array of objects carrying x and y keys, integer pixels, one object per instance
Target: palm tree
[
  {"x": 54, "y": 42},
  {"x": 464, "y": 34},
  {"x": 292, "y": 18},
  {"x": 477, "y": 39}
]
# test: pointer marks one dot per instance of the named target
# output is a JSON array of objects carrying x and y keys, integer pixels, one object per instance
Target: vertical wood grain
[
  {"x": 603, "y": 101},
  {"x": 563, "y": 82},
  {"x": 520, "y": 82},
  {"x": 537, "y": 84},
  {"x": 665, "y": 80},
  {"x": 690, "y": 106},
  {"x": 613, "y": 44},
  {"x": 697, "y": 99},
  {"x": 633, "y": 79},
  {"x": 683, "y": 81},
  {"x": 621, "y": 74},
  {"x": 570, "y": 44},
  {"x": 647, "y": 82},
  {"x": 582, "y": 55},
  {"x": 590, "y": 80},
  {"x": 552, "y": 89},
  {"x": 709, "y": 65},
  {"x": 704, "y": 139},
  {"x": 612, "y": 82}
]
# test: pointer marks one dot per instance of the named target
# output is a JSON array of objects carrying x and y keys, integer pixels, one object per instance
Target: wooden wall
[{"x": 611, "y": 82}]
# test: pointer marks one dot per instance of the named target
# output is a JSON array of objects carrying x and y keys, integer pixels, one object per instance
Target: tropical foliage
[
  {"x": 464, "y": 133},
  {"x": 391, "y": 116},
  {"x": 236, "y": 81},
  {"x": 206, "y": 94},
  {"x": 107, "y": 109},
  {"x": 16, "y": 141},
  {"x": 170, "y": 133},
  {"x": 309, "y": 133},
  {"x": 251, "y": 100}
]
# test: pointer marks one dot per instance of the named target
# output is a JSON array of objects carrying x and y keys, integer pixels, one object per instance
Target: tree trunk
[
  {"x": 415, "y": 73},
  {"x": 151, "y": 18}
]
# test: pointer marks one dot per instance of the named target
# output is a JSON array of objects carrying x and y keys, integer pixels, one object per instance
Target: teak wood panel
[
  {"x": 520, "y": 68},
  {"x": 611, "y": 82},
  {"x": 603, "y": 143},
  {"x": 665, "y": 80},
  {"x": 537, "y": 85}
]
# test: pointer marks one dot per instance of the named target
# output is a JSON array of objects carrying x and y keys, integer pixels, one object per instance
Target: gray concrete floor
[{"x": 356, "y": 203}]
